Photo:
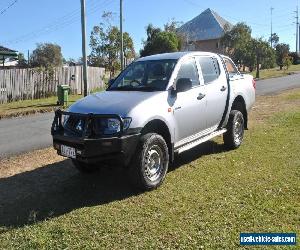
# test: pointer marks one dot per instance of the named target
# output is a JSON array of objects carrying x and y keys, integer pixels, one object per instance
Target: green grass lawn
[
  {"x": 209, "y": 197},
  {"x": 275, "y": 72},
  {"x": 33, "y": 106}
]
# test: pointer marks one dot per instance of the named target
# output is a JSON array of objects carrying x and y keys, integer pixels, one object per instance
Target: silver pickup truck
[{"x": 158, "y": 106}]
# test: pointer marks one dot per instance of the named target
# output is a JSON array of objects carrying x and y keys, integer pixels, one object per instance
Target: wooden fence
[{"x": 23, "y": 84}]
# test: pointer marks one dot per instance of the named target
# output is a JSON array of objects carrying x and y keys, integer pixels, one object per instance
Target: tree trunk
[{"x": 257, "y": 67}]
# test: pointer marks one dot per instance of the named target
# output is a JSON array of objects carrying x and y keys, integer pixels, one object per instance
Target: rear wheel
[
  {"x": 84, "y": 167},
  {"x": 150, "y": 163},
  {"x": 234, "y": 136}
]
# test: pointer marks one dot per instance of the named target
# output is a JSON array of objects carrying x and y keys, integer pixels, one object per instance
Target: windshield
[{"x": 145, "y": 76}]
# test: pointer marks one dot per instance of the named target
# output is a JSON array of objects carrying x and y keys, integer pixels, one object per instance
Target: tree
[
  {"x": 237, "y": 44},
  {"x": 245, "y": 50},
  {"x": 105, "y": 43},
  {"x": 46, "y": 55},
  {"x": 296, "y": 58},
  {"x": 287, "y": 61},
  {"x": 282, "y": 50},
  {"x": 22, "y": 62},
  {"x": 70, "y": 62},
  {"x": 274, "y": 40},
  {"x": 159, "y": 41},
  {"x": 172, "y": 26},
  {"x": 264, "y": 54}
]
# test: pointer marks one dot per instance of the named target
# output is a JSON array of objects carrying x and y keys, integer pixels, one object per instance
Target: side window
[
  {"x": 230, "y": 67},
  {"x": 189, "y": 70},
  {"x": 210, "y": 69}
]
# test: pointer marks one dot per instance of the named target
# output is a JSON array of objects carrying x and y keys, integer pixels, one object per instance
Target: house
[
  {"x": 204, "y": 32},
  {"x": 7, "y": 56}
]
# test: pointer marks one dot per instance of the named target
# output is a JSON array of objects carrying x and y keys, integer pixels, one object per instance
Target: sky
[{"x": 24, "y": 23}]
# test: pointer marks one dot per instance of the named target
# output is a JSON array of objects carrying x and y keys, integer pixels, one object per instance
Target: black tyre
[
  {"x": 150, "y": 163},
  {"x": 234, "y": 136},
  {"x": 84, "y": 167}
]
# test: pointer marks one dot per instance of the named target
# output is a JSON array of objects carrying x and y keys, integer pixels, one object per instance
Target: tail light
[{"x": 254, "y": 84}]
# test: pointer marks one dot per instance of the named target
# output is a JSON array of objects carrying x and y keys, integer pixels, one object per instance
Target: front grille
[{"x": 83, "y": 125}]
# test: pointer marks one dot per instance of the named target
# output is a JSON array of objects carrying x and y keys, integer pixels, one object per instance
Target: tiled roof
[
  {"x": 6, "y": 49},
  {"x": 208, "y": 25}
]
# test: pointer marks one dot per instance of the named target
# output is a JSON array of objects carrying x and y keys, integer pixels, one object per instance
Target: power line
[
  {"x": 62, "y": 22},
  {"x": 8, "y": 7}
]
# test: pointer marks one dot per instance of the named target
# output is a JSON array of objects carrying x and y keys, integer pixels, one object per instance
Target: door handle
[
  {"x": 200, "y": 96},
  {"x": 223, "y": 88}
]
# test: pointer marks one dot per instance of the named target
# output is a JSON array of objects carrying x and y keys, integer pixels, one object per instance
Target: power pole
[
  {"x": 121, "y": 31},
  {"x": 297, "y": 31},
  {"x": 84, "y": 58},
  {"x": 28, "y": 59},
  {"x": 271, "y": 38}
]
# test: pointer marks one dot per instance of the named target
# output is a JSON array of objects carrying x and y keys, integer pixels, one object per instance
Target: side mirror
[{"x": 183, "y": 84}]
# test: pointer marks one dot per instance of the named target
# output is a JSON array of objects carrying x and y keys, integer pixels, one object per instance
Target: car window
[
  {"x": 210, "y": 69},
  {"x": 145, "y": 75},
  {"x": 135, "y": 74},
  {"x": 188, "y": 69},
  {"x": 230, "y": 67}
]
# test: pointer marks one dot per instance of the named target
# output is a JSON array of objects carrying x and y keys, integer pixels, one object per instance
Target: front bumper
[
  {"x": 90, "y": 149},
  {"x": 116, "y": 150}
]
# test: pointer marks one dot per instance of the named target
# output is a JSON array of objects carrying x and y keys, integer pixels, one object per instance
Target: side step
[{"x": 199, "y": 141}]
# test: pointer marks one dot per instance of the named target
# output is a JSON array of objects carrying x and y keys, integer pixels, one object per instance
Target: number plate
[{"x": 68, "y": 151}]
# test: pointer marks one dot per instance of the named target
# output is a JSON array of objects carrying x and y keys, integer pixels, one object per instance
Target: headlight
[
  {"x": 113, "y": 125},
  {"x": 126, "y": 123}
]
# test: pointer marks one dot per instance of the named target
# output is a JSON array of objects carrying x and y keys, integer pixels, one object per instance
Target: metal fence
[{"x": 24, "y": 84}]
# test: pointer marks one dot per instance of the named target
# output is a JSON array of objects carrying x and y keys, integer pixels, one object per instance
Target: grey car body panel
[
  {"x": 185, "y": 116},
  {"x": 111, "y": 102}
]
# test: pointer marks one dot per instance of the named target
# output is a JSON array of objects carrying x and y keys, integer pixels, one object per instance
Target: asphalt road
[
  {"x": 276, "y": 85},
  {"x": 19, "y": 135},
  {"x": 24, "y": 134}
]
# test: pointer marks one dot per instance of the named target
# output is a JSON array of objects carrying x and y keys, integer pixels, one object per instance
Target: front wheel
[
  {"x": 234, "y": 136},
  {"x": 150, "y": 163}
]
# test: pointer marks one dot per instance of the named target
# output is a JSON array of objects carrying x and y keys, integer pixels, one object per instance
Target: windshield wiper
[
  {"x": 148, "y": 88},
  {"x": 124, "y": 88},
  {"x": 131, "y": 88}
]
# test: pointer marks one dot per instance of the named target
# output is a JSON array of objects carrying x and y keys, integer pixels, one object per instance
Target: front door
[{"x": 189, "y": 106}]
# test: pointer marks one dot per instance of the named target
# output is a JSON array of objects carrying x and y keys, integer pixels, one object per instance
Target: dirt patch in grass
[
  {"x": 266, "y": 106},
  {"x": 28, "y": 162}
]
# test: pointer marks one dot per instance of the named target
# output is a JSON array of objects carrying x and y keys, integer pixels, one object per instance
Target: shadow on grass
[{"x": 57, "y": 189}]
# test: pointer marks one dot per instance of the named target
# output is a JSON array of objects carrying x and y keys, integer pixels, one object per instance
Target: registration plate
[{"x": 68, "y": 151}]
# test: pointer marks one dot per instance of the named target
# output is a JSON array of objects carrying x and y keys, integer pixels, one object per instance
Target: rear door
[
  {"x": 216, "y": 89},
  {"x": 189, "y": 106}
]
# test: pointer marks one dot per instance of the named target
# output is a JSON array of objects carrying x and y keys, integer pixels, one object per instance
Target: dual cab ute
[{"x": 158, "y": 106}]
